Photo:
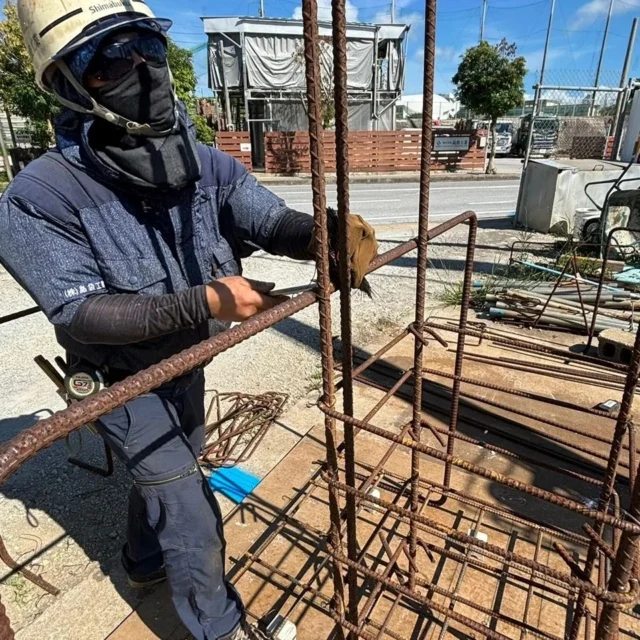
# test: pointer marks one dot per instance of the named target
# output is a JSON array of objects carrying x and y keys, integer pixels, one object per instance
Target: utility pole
[
  {"x": 484, "y": 18},
  {"x": 393, "y": 11},
  {"x": 261, "y": 14},
  {"x": 602, "y": 49},
  {"x": 546, "y": 45},
  {"x": 623, "y": 97}
]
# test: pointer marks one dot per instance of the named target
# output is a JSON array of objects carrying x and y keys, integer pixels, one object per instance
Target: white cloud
[
  {"x": 589, "y": 12},
  {"x": 446, "y": 54},
  {"x": 324, "y": 11},
  {"x": 413, "y": 18}
]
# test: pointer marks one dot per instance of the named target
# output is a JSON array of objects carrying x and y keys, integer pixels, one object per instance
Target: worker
[{"x": 130, "y": 236}]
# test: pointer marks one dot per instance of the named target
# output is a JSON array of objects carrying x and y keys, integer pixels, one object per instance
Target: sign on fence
[{"x": 452, "y": 143}]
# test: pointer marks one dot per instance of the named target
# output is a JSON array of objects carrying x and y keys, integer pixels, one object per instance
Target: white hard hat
[{"x": 54, "y": 28}]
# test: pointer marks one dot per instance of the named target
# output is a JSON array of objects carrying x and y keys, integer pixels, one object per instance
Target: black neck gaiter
[{"x": 145, "y": 96}]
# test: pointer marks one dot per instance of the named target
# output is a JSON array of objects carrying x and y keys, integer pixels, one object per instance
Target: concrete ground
[{"x": 68, "y": 525}]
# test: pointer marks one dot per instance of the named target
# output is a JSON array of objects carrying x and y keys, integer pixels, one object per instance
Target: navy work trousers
[{"x": 174, "y": 518}]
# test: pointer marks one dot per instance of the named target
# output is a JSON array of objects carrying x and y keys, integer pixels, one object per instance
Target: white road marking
[
  {"x": 412, "y": 190},
  {"x": 447, "y": 216},
  {"x": 351, "y": 202},
  {"x": 477, "y": 204}
]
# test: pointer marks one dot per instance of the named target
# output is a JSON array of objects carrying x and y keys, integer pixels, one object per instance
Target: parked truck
[{"x": 544, "y": 142}]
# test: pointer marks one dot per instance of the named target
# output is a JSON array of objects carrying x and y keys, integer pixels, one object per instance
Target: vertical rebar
[
  {"x": 622, "y": 572},
  {"x": 606, "y": 493},
  {"x": 339, "y": 15},
  {"x": 316, "y": 148},
  {"x": 421, "y": 285},
  {"x": 457, "y": 379}
]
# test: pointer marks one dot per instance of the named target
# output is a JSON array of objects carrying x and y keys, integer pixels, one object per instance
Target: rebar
[
  {"x": 421, "y": 274},
  {"x": 624, "y": 561},
  {"x": 548, "y": 496},
  {"x": 339, "y": 15},
  {"x": 242, "y": 422},
  {"x": 321, "y": 239}
]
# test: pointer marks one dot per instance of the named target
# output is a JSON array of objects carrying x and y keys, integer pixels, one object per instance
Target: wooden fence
[
  {"x": 237, "y": 144},
  {"x": 376, "y": 151}
]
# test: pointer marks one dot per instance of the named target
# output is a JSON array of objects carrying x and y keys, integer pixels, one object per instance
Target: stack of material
[{"x": 569, "y": 307}]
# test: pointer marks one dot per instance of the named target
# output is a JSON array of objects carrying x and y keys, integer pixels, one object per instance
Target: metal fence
[{"x": 572, "y": 118}]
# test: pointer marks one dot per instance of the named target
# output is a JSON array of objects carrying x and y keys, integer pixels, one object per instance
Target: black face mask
[{"x": 144, "y": 95}]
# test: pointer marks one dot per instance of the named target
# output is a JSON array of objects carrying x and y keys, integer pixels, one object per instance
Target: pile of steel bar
[
  {"x": 390, "y": 530},
  {"x": 567, "y": 307}
]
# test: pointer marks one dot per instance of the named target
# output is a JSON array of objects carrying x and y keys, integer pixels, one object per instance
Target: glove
[{"x": 363, "y": 248}]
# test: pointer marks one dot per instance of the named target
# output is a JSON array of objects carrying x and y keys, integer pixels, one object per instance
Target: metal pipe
[
  {"x": 621, "y": 101},
  {"x": 5, "y": 154},
  {"x": 225, "y": 88},
  {"x": 483, "y": 19},
  {"x": 601, "y": 58},
  {"x": 19, "y": 314},
  {"x": 546, "y": 49}
]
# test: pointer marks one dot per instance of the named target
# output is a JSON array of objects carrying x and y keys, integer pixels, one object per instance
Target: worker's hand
[{"x": 236, "y": 299}]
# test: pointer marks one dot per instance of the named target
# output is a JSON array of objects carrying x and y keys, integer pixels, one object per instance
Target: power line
[{"x": 519, "y": 6}]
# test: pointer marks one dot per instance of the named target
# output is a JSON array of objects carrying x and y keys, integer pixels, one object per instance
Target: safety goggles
[{"x": 114, "y": 61}]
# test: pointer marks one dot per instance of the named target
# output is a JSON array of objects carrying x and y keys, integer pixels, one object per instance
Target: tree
[
  {"x": 490, "y": 82},
  {"x": 184, "y": 76},
  {"x": 19, "y": 92}
]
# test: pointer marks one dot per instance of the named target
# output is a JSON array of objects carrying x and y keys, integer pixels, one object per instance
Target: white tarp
[
  {"x": 277, "y": 62},
  {"x": 231, "y": 58}
]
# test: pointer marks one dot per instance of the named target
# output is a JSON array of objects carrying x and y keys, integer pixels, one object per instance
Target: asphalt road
[{"x": 388, "y": 204}]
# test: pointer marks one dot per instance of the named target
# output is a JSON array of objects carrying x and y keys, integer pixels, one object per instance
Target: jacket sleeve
[
  {"x": 50, "y": 259},
  {"x": 262, "y": 219}
]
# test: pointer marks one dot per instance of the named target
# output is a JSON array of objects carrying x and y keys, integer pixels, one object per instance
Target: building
[
  {"x": 445, "y": 106},
  {"x": 256, "y": 67}
]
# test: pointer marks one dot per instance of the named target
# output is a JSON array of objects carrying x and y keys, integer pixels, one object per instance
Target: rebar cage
[{"x": 376, "y": 530}]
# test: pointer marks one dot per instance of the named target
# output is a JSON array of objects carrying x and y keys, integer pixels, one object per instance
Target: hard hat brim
[{"x": 110, "y": 24}]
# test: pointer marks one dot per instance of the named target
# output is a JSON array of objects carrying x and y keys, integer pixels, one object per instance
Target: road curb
[{"x": 388, "y": 179}]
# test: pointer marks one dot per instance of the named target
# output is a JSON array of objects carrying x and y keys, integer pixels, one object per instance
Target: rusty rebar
[
  {"x": 39, "y": 581},
  {"x": 547, "y": 496},
  {"x": 339, "y": 15},
  {"x": 622, "y": 573},
  {"x": 625, "y": 599},
  {"x": 321, "y": 240},
  {"x": 529, "y": 346},
  {"x": 624, "y": 566},
  {"x": 423, "y": 241},
  {"x": 459, "y": 360}
]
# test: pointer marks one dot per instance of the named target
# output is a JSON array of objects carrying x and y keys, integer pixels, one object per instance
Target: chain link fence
[{"x": 573, "y": 118}]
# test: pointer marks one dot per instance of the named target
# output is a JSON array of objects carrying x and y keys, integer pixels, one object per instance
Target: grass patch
[
  {"x": 20, "y": 589},
  {"x": 314, "y": 382}
]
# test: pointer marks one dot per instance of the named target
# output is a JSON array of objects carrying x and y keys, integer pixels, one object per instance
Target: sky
[{"x": 576, "y": 37}]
